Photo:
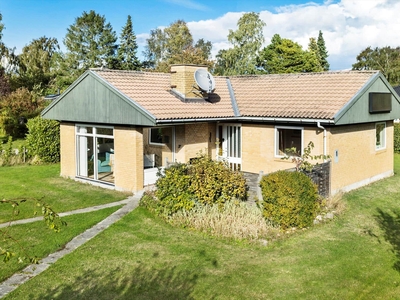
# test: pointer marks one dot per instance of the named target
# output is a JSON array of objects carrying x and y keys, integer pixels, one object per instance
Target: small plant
[
  {"x": 289, "y": 199},
  {"x": 302, "y": 162}
]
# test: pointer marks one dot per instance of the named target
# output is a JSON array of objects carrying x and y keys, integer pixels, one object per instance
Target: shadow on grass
[
  {"x": 390, "y": 224},
  {"x": 142, "y": 283}
]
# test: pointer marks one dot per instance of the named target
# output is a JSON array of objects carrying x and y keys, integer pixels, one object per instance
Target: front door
[{"x": 230, "y": 145}]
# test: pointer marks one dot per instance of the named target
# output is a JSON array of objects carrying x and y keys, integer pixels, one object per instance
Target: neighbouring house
[{"x": 119, "y": 127}]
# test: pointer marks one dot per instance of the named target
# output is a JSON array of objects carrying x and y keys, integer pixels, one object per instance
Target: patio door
[{"x": 230, "y": 145}]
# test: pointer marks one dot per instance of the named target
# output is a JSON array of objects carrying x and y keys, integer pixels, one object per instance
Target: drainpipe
[{"x": 321, "y": 127}]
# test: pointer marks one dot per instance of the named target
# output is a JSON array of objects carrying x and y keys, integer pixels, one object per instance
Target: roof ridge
[
  {"x": 126, "y": 71},
  {"x": 302, "y": 74}
]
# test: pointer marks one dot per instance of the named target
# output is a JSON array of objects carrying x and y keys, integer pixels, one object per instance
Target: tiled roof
[
  {"x": 305, "y": 95},
  {"x": 152, "y": 91}
]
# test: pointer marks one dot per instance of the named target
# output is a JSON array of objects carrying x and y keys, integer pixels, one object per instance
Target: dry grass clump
[
  {"x": 336, "y": 204},
  {"x": 234, "y": 219}
]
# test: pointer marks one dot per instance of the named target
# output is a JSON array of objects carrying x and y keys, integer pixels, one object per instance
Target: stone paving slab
[{"x": 30, "y": 271}]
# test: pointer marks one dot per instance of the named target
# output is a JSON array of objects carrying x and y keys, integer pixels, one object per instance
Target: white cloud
[{"x": 348, "y": 26}]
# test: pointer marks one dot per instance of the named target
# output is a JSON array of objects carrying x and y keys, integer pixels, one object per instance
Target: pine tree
[
  {"x": 323, "y": 53},
  {"x": 126, "y": 55},
  {"x": 314, "y": 51}
]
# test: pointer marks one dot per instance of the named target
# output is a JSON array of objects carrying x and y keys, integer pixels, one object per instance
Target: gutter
[{"x": 321, "y": 127}]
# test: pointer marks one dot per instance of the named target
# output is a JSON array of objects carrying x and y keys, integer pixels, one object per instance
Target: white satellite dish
[{"x": 204, "y": 80}]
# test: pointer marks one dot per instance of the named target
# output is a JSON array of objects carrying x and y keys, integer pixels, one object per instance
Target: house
[{"x": 118, "y": 127}]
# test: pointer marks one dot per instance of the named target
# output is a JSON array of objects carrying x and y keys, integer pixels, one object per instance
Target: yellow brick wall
[
  {"x": 128, "y": 168},
  {"x": 67, "y": 150},
  {"x": 258, "y": 147},
  {"x": 162, "y": 152},
  {"x": 183, "y": 77},
  {"x": 358, "y": 161}
]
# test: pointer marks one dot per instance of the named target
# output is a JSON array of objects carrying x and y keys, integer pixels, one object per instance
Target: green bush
[
  {"x": 43, "y": 139},
  {"x": 396, "y": 138},
  {"x": 289, "y": 199},
  {"x": 203, "y": 181}
]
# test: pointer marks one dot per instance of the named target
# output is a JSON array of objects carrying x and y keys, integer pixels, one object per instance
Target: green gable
[
  {"x": 357, "y": 109},
  {"x": 92, "y": 100}
]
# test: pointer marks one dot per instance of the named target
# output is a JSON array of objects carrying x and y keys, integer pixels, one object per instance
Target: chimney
[{"x": 183, "y": 82}]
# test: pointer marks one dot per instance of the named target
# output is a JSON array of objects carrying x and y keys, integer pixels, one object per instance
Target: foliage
[
  {"x": 50, "y": 217},
  {"x": 4, "y": 83},
  {"x": 396, "y": 137},
  {"x": 385, "y": 59},
  {"x": 302, "y": 161},
  {"x": 234, "y": 219},
  {"x": 289, "y": 199},
  {"x": 202, "y": 182},
  {"x": 15, "y": 109},
  {"x": 285, "y": 56},
  {"x": 126, "y": 53},
  {"x": 174, "y": 45},
  {"x": 246, "y": 41},
  {"x": 43, "y": 139},
  {"x": 90, "y": 42},
  {"x": 323, "y": 53}
]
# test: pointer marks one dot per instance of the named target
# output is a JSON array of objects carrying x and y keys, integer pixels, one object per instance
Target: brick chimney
[{"x": 183, "y": 82}]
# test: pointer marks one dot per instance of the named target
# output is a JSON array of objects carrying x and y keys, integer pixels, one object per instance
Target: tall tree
[
  {"x": 314, "y": 49},
  {"x": 386, "y": 60},
  {"x": 323, "y": 53},
  {"x": 286, "y": 56},
  {"x": 34, "y": 70},
  {"x": 246, "y": 41},
  {"x": 173, "y": 45},
  {"x": 90, "y": 42},
  {"x": 126, "y": 54}
]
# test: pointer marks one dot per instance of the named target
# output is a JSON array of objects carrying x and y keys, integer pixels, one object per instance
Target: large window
[
  {"x": 288, "y": 141},
  {"x": 95, "y": 153},
  {"x": 380, "y": 133}
]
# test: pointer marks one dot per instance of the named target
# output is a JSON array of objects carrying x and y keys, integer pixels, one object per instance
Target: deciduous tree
[
  {"x": 386, "y": 60},
  {"x": 246, "y": 41}
]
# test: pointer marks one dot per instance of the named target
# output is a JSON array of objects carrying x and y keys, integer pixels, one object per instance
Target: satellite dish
[{"x": 204, "y": 80}]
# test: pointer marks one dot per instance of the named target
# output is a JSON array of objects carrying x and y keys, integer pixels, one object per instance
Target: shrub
[
  {"x": 43, "y": 139},
  {"x": 289, "y": 199},
  {"x": 396, "y": 138},
  {"x": 202, "y": 181}
]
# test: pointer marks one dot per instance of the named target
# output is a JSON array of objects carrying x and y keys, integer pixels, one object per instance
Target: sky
[{"x": 348, "y": 26}]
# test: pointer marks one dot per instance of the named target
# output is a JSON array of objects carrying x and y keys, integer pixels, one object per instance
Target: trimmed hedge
[
  {"x": 289, "y": 199},
  {"x": 396, "y": 139}
]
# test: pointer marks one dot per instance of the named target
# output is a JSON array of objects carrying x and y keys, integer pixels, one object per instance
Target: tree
[
  {"x": 323, "y": 53},
  {"x": 313, "y": 48},
  {"x": 90, "y": 42},
  {"x": 286, "y": 56},
  {"x": 386, "y": 60},
  {"x": 34, "y": 65},
  {"x": 174, "y": 45},
  {"x": 126, "y": 54},
  {"x": 246, "y": 41},
  {"x": 2, "y": 47}
]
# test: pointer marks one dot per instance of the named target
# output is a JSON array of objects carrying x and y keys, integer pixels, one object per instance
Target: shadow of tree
[
  {"x": 142, "y": 283},
  {"x": 390, "y": 224}
]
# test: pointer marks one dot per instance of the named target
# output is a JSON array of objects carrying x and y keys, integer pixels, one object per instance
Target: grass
[
  {"x": 36, "y": 240},
  {"x": 44, "y": 182},
  {"x": 355, "y": 256}
]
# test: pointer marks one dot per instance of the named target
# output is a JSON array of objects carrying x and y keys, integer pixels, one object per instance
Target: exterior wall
[
  {"x": 193, "y": 138},
  {"x": 128, "y": 168},
  {"x": 163, "y": 152},
  {"x": 258, "y": 147},
  {"x": 67, "y": 150},
  {"x": 358, "y": 163}
]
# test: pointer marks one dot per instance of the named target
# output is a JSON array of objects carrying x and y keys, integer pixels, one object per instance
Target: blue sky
[{"x": 348, "y": 27}]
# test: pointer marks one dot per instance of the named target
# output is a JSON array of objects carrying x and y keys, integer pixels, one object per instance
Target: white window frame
[
  {"x": 276, "y": 146},
  {"x": 382, "y": 136},
  {"x": 159, "y": 144}
]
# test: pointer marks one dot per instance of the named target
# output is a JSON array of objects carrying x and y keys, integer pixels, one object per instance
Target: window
[
  {"x": 288, "y": 141},
  {"x": 380, "y": 132},
  {"x": 160, "y": 135}
]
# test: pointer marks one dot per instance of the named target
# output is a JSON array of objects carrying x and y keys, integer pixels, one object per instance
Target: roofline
[{"x": 194, "y": 120}]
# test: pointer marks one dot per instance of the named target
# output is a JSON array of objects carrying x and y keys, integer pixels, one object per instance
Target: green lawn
[
  {"x": 356, "y": 256},
  {"x": 44, "y": 182}
]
